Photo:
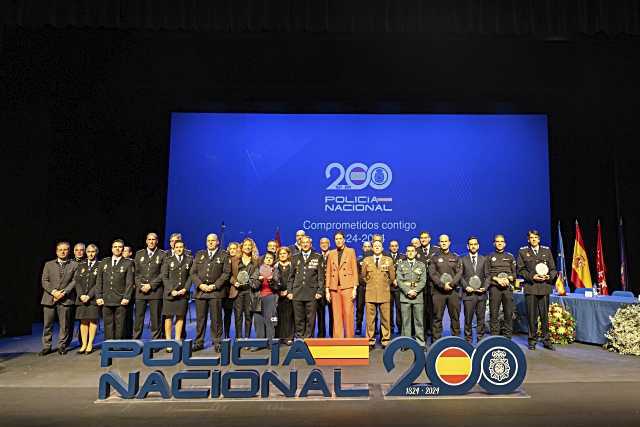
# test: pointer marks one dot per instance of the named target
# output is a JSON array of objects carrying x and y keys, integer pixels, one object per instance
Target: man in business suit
[
  {"x": 58, "y": 298},
  {"x": 473, "y": 299},
  {"x": 500, "y": 275},
  {"x": 210, "y": 273},
  {"x": 341, "y": 286},
  {"x": 537, "y": 287},
  {"x": 396, "y": 309},
  {"x": 378, "y": 273},
  {"x": 306, "y": 285},
  {"x": 412, "y": 280},
  {"x": 360, "y": 296},
  {"x": 426, "y": 252},
  {"x": 297, "y": 246},
  {"x": 445, "y": 292},
  {"x": 115, "y": 285},
  {"x": 323, "y": 305},
  {"x": 149, "y": 289}
]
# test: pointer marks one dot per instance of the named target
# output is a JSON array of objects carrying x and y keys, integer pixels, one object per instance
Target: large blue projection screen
[{"x": 360, "y": 173}]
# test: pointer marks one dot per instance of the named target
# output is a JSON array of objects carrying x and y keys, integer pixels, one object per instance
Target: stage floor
[{"x": 577, "y": 385}]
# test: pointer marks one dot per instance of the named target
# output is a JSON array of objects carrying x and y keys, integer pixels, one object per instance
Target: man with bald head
[
  {"x": 149, "y": 288},
  {"x": 210, "y": 272},
  {"x": 297, "y": 246},
  {"x": 445, "y": 271}
]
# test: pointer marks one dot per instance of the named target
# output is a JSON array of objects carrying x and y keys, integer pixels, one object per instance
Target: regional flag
[
  {"x": 580, "y": 274},
  {"x": 601, "y": 267},
  {"x": 561, "y": 281}
]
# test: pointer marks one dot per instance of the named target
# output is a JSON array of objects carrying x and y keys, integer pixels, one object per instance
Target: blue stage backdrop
[{"x": 360, "y": 173}]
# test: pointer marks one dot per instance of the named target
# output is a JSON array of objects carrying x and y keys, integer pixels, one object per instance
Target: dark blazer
[
  {"x": 175, "y": 275},
  {"x": 467, "y": 272},
  {"x": 211, "y": 271},
  {"x": 115, "y": 283},
  {"x": 282, "y": 276},
  {"x": 252, "y": 269},
  {"x": 445, "y": 263},
  {"x": 51, "y": 280},
  {"x": 526, "y": 263},
  {"x": 307, "y": 278},
  {"x": 85, "y": 282},
  {"x": 149, "y": 270}
]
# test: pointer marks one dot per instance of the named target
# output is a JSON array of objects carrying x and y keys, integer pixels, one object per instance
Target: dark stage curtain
[{"x": 538, "y": 18}]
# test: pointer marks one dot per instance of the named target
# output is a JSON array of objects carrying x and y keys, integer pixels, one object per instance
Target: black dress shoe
[
  {"x": 359, "y": 331},
  {"x": 196, "y": 347},
  {"x": 372, "y": 346},
  {"x": 532, "y": 346},
  {"x": 62, "y": 351},
  {"x": 89, "y": 351},
  {"x": 549, "y": 346},
  {"x": 45, "y": 351},
  {"x": 80, "y": 352}
]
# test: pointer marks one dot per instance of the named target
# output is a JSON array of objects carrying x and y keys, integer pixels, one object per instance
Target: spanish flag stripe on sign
[
  {"x": 453, "y": 365},
  {"x": 339, "y": 351}
]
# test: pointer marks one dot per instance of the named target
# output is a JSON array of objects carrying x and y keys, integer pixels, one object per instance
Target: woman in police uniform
[
  {"x": 176, "y": 280},
  {"x": 86, "y": 309}
]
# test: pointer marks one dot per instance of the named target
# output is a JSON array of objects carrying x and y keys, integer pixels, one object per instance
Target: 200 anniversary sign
[{"x": 452, "y": 365}]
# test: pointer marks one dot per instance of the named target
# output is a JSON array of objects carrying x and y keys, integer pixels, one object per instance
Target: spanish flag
[
  {"x": 339, "y": 351},
  {"x": 453, "y": 366},
  {"x": 580, "y": 274}
]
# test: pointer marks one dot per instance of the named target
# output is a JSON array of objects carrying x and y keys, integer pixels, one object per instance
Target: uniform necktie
[
  {"x": 377, "y": 259},
  {"x": 306, "y": 256},
  {"x": 411, "y": 264},
  {"x": 179, "y": 259},
  {"x": 535, "y": 252},
  {"x": 115, "y": 261}
]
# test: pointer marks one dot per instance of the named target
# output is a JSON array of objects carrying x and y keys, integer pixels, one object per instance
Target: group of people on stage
[{"x": 290, "y": 291}]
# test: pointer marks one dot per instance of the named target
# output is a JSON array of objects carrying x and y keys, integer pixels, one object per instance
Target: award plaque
[
  {"x": 503, "y": 275},
  {"x": 542, "y": 269},
  {"x": 266, "y": 271},
  {"x": 475, "y": 282},
  {"x": 243, "y": 277},
  {"x": 445, "y": 278}
]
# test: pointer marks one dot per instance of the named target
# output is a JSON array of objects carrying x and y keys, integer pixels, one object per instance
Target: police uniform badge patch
[
  {"x": 121, "y": 269},
  {"x": 493, "y": 258},
  {"x": 105, "y": 267},
  {"x": 157, "y": 259},
  {"x": 141, "y": 259},
  {"x": 201, "y": 257},
  {"x": 173, "y": 264},
  {"x": 440, "y": 260},
  {"x": 499, "y": 365},
  {"x": 95, "y": 272},
  {"x": 83, "y": 270}
]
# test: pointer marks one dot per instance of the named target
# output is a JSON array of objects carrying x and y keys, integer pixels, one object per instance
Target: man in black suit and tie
[
  {"x": 149, "y": 289},
  {"x": 306, "y": 285},
  {"x": 474, "y": 294},
  {"x": 210, "y": 272},
  {"x": 426, "y": 252},
  {"x": 395, "y": 255},
  {"x": 114, "y": 286},
  {"x": 58, "y": 298}
]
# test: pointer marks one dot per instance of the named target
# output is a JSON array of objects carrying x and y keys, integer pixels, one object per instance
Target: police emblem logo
[
  {"x": 173, "y": 264},
  {"x": 83, "y": 270},
  {"x": 141, "y": 259},
  {"x": 499, "y": 365},
  {"x": 201, "y": 257},
  {"x": 493, "y": 258},
  {"x": 440, "y": 260},
  {"x": 95, "y": 272},
  {"x": 121, "y": 269},
  {"x": 105, "y": 267},
  {"x": 157, "y": 260}
]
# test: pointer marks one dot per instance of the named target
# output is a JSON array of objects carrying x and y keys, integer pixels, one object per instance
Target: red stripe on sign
[
  {"x": 454, "y": 379},
  {"x": 312, "y": 342},
  {"x": 342, "y": 362},
  {"x": 454, "y": 352}
]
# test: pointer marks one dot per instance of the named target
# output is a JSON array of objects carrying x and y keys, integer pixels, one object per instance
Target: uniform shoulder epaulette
[
  {"x": 105, "y": 258},
  {"x": 544, "y": 247},
  {"x": 523, "y": 247},
  {"x": 140, "y": 251},
  {"x": 508, "y": 253}
]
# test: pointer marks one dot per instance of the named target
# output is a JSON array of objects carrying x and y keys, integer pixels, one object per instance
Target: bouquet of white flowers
[{"x": 624, "y": 335}]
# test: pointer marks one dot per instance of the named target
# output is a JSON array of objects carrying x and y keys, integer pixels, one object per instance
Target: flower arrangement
[
  {"x": 624, "y": 335},
  {"x": 562, "y": 325}
]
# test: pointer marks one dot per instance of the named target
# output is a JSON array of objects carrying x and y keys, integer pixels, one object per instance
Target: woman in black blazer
[
  {"x": 281, "y": 274},
  {"x": 86, "y": 309}
]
